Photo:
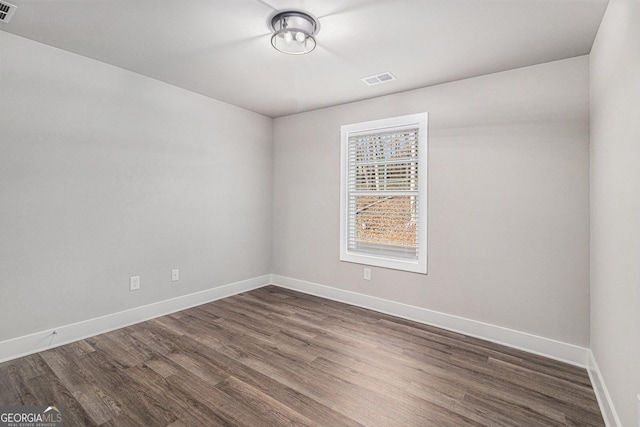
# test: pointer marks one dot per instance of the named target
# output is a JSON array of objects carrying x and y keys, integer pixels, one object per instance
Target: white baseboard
[
  {"x": 546, "y": 347},
  {"x": 602, "y": 394},
  {"x": 40, "y": 341}
]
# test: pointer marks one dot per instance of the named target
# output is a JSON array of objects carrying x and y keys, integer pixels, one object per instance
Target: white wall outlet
[
  {"x": 175, "y": 275},
  {"x": 638, "y": 409},
  {"x": 367, "y": 274},
  {"x": 134, "y": 283}
]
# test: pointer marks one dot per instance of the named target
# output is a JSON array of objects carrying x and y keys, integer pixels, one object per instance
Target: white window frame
[{"x": 418, "y": 265}]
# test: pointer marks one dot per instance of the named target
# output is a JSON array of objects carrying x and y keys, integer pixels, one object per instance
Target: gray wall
[
  {"x": 615, "y": 205},
  {"x": 105, "y": 174},
  {"x": 508, "y": 199}
]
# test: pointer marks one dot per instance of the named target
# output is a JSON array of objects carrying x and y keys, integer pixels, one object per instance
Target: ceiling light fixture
[{"x": 293, "y": 32}]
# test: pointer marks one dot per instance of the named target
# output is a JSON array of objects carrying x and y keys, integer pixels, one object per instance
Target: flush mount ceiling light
[{"x": 293, "y": 32}]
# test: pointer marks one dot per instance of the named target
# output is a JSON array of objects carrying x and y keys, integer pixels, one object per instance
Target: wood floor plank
[
  {"x": 301, "y": 403},
  {"x": 228, "y": 412},
  {"x": 438, "y": 413},
  {"x": 276, "y": 357},
  {"x": 135, "y": 402},
  {"x": 47, "y": 389},
  {"x": 94, "y": 401},
  {"x": 39, "y": 384},
  {"x": 8, "y": 394},
  {"x": 270, "y": 410},
  {"x": 362, "y": 409},
  {"x": 183, "y": 406}
]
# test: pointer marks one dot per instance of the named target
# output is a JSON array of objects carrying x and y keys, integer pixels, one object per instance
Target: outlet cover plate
[
  {"x": 175, "y": 275},
  {"x": 134, "y": 283}
]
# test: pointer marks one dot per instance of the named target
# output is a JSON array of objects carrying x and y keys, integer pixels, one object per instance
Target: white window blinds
[{"x": 382, "y": 192}]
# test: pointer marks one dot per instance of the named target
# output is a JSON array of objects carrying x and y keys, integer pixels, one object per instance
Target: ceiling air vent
[
  {"x": 378, "y": 78},
  {"x": 6, "y": 11}
]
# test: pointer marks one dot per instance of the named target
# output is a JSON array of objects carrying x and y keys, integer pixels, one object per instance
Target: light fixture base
[{"x": 294, "y": 32}]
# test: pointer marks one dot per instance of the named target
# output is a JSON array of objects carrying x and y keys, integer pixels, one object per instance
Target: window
[{"x": 383, "y": 203}]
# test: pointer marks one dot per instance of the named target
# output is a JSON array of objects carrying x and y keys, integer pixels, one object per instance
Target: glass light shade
[{"x": 293, "y": 32}]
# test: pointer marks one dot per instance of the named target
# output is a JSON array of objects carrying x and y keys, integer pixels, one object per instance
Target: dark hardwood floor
[{"x": 273, "y": 357}]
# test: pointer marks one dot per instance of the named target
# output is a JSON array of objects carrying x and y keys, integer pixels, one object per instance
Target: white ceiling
[{"x": 221, "y": 48}]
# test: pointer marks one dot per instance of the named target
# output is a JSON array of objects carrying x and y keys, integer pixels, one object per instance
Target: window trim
[{"x": 421, "y": 121}]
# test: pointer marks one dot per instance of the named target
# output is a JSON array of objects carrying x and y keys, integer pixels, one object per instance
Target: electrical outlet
[
  {"x": 367, "y": 274},
  {"x": 175, "y": 275},
  {"x": 134, "y": 283},
  {"x": 638, "y": 409}
]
